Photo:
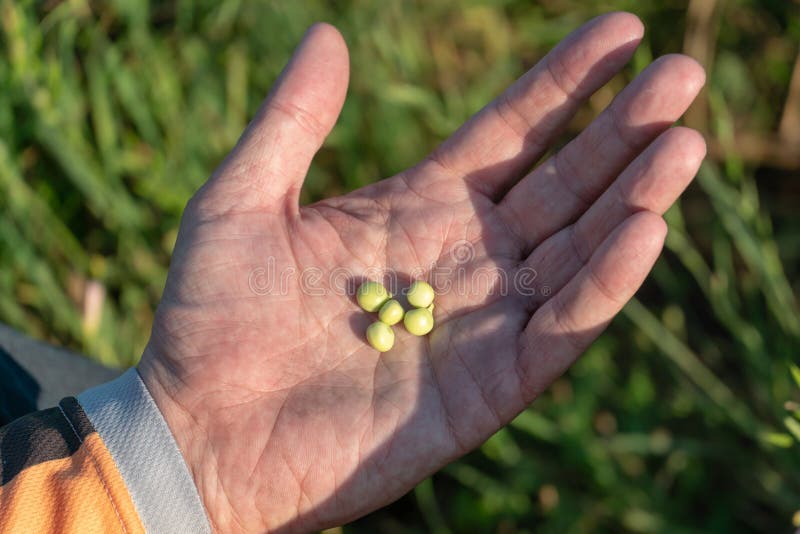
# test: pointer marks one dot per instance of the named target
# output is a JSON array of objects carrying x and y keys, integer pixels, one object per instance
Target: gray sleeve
[{"x": 147, "y": 456}]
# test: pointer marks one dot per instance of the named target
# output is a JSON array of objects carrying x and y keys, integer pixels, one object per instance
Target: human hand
[{"x": 287, "y": 418}]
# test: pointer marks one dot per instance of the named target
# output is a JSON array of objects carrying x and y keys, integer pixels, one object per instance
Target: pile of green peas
[{"x": 373, "y": 297}]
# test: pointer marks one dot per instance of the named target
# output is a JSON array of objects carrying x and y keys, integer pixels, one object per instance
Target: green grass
[{"x": 113, "y": 112}]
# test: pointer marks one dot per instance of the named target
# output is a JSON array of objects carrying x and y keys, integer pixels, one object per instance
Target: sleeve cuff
[{"x": 137, "y": 436}]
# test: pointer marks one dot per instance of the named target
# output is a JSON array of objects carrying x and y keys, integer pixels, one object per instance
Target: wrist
[{"x": 189, "y": 430}]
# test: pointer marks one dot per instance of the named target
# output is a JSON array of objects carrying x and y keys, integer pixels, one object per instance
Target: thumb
[{"x": 268, "y": 165}]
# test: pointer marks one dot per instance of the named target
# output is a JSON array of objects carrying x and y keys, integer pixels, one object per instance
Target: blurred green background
[{"x": 682, "y": 417}]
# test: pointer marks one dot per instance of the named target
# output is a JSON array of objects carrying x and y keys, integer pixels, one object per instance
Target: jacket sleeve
[{"x": 104, "y": 462}]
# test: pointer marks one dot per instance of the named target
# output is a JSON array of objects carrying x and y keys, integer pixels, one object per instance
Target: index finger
[{"x": 502, "y": 141}]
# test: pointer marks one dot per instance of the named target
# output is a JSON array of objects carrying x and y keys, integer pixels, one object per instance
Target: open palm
[{"x": 287, "y": 418}]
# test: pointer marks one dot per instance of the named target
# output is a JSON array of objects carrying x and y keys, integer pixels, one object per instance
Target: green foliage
[{"x": 113, "y": 112}]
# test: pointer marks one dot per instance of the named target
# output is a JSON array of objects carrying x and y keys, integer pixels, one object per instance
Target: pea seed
[
  {"x": 381, "y": 336},
  {"x": 418, "y": 321},
  {"x": 371, "y": 296},
  {"x": 391, "y": 312},
  {"x": 420, "y": 294}
]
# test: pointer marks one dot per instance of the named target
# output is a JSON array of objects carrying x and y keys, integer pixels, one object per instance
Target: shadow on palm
[{"x": 433, "y": 399}]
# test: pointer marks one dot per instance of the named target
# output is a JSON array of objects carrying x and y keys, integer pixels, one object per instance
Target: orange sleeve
[{"x": 58, "y": 476}]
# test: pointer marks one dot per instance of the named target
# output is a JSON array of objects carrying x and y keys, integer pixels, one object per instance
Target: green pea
[
  {"x": 418, "y": 321},
  {"x": 371, "y": 296},
  {"x": 391, "y": 312},
  {"x": 381, "y": 336},
  {"x": 420, "y": 294}
]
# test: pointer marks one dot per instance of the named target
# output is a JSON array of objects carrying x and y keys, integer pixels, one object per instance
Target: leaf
[
  {"x": 795, "y": 373},
  {"x": 777, "y": 439},
  {"x": 794, "y": 427}
]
